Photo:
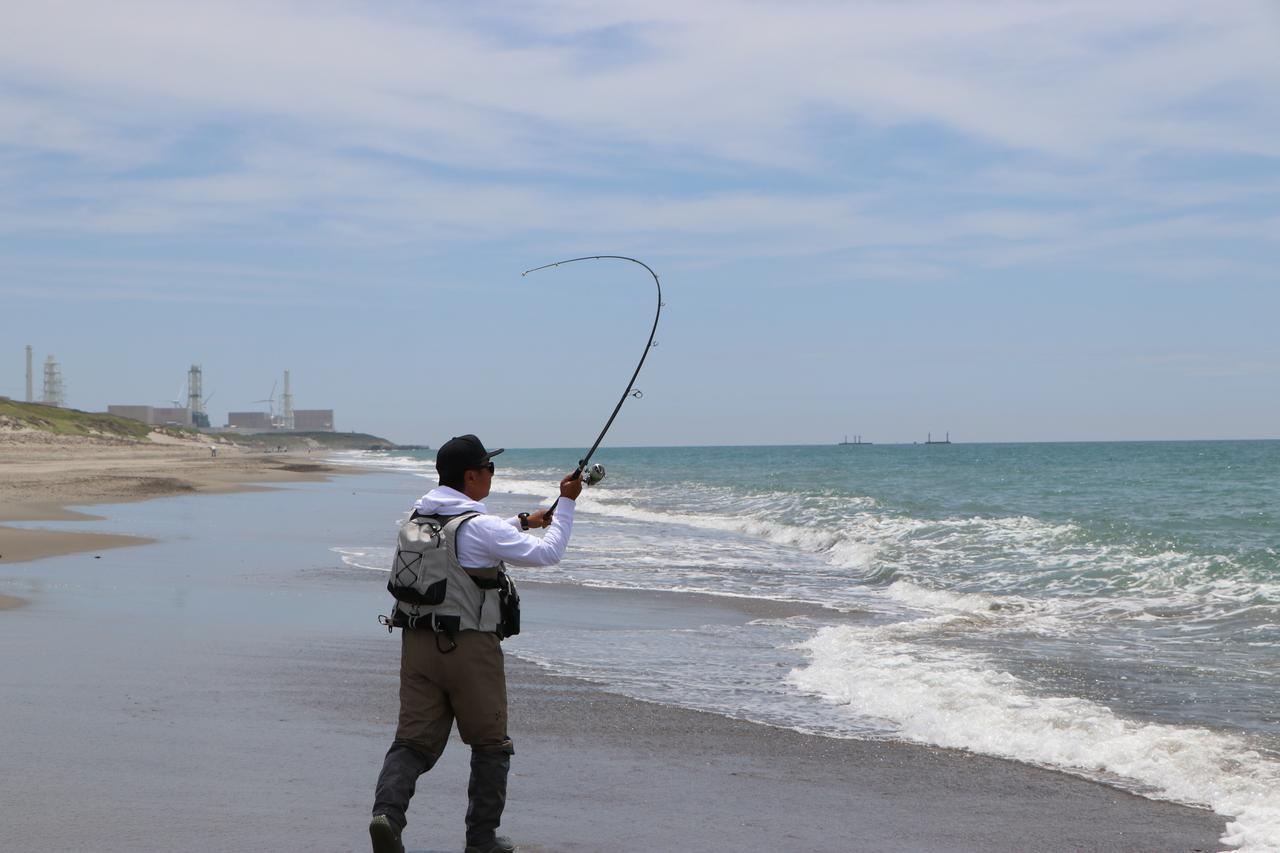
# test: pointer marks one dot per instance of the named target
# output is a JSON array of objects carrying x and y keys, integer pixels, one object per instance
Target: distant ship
[
  {"x": 857, "y": 439},
  {"x": 946, "y": 441}
]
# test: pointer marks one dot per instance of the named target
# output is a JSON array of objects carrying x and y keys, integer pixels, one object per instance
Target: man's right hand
[{"x": 571, "y": 486}]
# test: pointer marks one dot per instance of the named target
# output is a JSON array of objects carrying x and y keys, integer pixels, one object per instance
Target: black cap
[{"x": 462, "y": 453}]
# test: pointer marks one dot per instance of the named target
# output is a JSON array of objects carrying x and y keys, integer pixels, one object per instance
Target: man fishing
[{"x": 455, "y": 605}]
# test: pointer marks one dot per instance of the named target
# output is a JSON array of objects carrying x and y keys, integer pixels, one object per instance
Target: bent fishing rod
[{"x": 596, "y": 472}]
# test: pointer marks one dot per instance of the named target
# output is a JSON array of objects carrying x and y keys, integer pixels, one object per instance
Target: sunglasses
[{"x": 488, "y": 467}]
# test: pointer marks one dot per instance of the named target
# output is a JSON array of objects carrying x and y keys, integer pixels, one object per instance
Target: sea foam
[
  {"x": 945, "y": 578},
  {"x": 956, "y": 699}
]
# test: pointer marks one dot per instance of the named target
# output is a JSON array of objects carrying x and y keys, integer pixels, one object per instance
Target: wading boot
[
  {"x": 385, "y": 837},
  {"x": 404, "y": 763},
  {"x": 486, "y": 797}
]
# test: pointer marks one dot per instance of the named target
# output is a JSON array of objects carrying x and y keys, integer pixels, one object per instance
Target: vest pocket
[
  {"x": 509, "y": 604},
  {"x": 431, "y": 596},
  {"x": 490, "y": 610},
  {"x": 408, "y": 581}
]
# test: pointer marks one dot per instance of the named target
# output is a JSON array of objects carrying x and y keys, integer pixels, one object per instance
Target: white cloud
[
  {"x": 445, "y": 122},
  {"x": 1061, "y": 78}
]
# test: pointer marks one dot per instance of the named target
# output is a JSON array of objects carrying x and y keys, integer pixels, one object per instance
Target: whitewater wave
[
  {"x": 956, "y": 699},
  {"x": 1018, "y": 559},
  {"x": 373, "y": 558},
  {"x": 936, "y": 581},
  {"x": 384, "y": 461}
]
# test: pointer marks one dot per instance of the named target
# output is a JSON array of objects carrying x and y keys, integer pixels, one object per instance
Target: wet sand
[
  {"x": 18, "y": 545},
  {"x": 40, "y": 475},
  {"x": 663, "y": 778},
  {"x": 595, "y": 771},
  {"x": 244, "y": 703}
]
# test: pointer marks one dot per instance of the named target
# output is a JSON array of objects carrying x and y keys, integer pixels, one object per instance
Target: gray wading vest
[{"x": 433, "y": 590}]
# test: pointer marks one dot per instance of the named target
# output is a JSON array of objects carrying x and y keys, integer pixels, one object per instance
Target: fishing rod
[{"x": 596, "y": 472}]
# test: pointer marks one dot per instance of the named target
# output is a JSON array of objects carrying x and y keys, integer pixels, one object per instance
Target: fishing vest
[{"x": 434, "y": 591}]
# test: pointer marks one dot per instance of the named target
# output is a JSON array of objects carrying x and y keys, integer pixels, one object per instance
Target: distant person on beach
[{"x": 451, "y": 664}]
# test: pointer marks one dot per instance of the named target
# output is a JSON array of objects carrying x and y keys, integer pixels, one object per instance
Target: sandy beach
[
  {"x": 41, "y": 474},
  {"x": 244, "y": 701}
]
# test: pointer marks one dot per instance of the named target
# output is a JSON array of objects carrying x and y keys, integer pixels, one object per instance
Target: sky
[{"x": 1012, "y": 221}]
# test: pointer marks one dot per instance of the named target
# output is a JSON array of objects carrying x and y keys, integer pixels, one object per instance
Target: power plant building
[
  {"x": 134, "y": 413},
  {"x": 249, "y": 420},
  {"x": 313, "y": 420},
  {"x": 195, "y": 414},
  {"x": 165, "y": 416},
  {"x": 171, "y": 417}
]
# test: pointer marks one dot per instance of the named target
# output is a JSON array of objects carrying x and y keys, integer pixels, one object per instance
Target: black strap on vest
[{"x": 482, "y": 583}]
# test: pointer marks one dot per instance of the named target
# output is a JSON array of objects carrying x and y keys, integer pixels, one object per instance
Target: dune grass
[
  {"x": 75, "y": 422},
  {"x": 58, "y": 421}
]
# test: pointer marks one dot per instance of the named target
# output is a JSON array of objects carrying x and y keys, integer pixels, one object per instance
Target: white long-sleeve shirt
[{"x": 486, "y": 539}]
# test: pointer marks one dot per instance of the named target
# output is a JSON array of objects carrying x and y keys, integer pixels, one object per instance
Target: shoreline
[
  {"x": 726, "y": 780},
  {"x": 265, "y": 658},
  {"x": 991, "y": 784},
  {"x": 717, "y": 782},
  {"x": 40, "y": 480}
]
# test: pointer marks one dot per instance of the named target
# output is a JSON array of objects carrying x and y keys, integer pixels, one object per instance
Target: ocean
[{"x": 1111, "y": 610}]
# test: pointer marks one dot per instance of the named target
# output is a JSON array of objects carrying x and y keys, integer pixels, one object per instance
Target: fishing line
[{"x": 596, "y": 472}]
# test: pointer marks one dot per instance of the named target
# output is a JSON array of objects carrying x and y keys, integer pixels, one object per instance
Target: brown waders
[{"x": 443, "y": 679}]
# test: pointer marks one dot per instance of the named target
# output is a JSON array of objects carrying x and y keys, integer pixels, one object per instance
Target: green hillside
[
  {"x": 329, "y": 440},
  {"x": 96, "y": 424},
  {"x": 75, "y": 422}
]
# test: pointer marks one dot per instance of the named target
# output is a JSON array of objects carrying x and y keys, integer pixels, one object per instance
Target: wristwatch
[{"x": 524, "y": 520}]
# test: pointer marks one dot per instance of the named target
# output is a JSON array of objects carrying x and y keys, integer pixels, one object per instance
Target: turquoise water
[{"x": 1109, "y": 609}]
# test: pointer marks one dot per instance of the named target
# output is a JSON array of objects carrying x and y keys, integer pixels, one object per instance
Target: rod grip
[{"x": 551, "y": 511}]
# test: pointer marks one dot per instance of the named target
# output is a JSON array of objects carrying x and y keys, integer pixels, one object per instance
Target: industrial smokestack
[
  {"x": 286, "y": 404},
  {"x": 29, "y": 397}
]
